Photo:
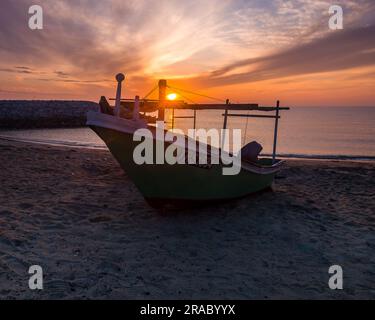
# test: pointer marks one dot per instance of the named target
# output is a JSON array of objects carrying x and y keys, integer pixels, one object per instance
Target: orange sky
[{"x": 247, "y": 51}]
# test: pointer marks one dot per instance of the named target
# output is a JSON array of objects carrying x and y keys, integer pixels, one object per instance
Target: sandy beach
[{"x": 75, "y": 213}]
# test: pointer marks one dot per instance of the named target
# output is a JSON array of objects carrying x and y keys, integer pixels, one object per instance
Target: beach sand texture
[{"x": 75, "y": 213}]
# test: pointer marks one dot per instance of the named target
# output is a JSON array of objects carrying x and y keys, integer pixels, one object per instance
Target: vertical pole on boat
[
  {"x": 120, "y": 78},
  {"x": 226, "y": 115},
  {"x": 195, "y": 119},
  {"x": 136, "y": 108},
  {"x": 162, "y": 98},
  {"x": 172, "y": 119},
  {"x": 225, "y": 123},
  {"x": 275, "y": 133}
]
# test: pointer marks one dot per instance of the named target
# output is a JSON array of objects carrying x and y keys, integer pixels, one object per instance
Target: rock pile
[{"x": 21, "y": 114}]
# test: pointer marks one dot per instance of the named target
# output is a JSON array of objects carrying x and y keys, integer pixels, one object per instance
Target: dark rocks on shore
[{"x": 25, "y": 114}]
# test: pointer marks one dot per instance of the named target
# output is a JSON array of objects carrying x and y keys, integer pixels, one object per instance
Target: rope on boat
[
  {"x": 183, "y": 96},
  {"x": 197, "y": 94},
  {"x": 186, "y": 91},
  {"x": 151, "y": 92}
]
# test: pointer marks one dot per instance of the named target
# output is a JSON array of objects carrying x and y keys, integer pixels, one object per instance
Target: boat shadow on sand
[{"x": 187, "y": 207}]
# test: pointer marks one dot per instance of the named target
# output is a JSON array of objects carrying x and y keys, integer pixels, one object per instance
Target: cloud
[
  {"x": 23, "y": 68},
  {"x": 339, "y": 50},
  {"x": 71, "y": 38},
  {"x": 89, "y": 38},
  {"x": 16, "y": 70},
  {"x": 61, "y": 74}
]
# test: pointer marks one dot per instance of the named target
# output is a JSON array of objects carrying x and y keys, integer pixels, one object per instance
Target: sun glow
[{"x": 172, "y": 96}]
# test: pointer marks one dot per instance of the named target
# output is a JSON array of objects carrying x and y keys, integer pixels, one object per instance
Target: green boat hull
[{"x": 181, "y": 182}]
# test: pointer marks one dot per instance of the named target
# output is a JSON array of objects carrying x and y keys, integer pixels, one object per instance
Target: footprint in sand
[
  {"x": 100, "y": 219},
  {"x": 59, "y": 288},
  {"x": 26, "y": 205}
]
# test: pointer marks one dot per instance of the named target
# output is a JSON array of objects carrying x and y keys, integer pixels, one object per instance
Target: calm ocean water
[{"x": 311, "y": 132}]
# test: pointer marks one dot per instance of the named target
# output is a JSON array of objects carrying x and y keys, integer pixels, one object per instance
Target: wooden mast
[
  {"x": 162, "y": 98},
  {"x": 136, "y": 108}
]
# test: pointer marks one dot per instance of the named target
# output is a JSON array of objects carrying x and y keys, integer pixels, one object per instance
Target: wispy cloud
[
  {"x": 16, "y": 70},
  {"x": 336, "y": 51}
]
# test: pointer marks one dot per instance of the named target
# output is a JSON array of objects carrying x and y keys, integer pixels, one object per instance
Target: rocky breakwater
[{"x": 22, "y": 114}]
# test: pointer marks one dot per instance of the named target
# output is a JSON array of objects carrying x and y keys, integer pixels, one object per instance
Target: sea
[{"x": 343, "y": 133}]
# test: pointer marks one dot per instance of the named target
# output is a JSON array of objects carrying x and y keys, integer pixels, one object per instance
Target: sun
[{"x": 172, "y": 96}]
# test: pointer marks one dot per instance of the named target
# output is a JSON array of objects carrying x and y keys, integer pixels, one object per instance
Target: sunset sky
[{"x": 248, "y": 51}]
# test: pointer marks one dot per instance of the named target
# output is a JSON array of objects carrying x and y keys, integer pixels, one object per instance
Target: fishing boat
[{"x": 162, "y": 183}]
